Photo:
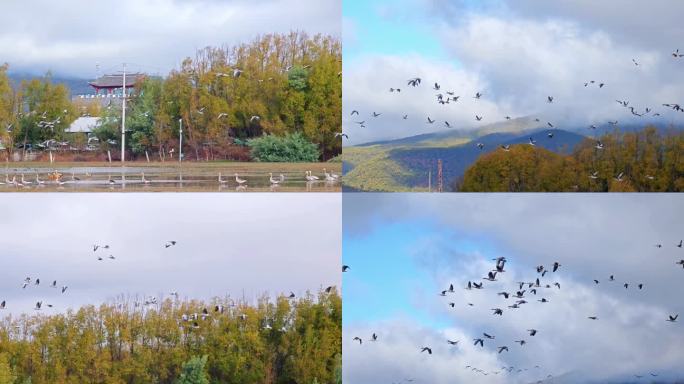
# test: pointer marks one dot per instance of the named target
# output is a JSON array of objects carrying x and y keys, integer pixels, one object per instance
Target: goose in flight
[
  {"x": 478, "y": 118},
  {"x": 478, "y": 95},
  {"x": 479, "y": 341},
  {"x": 491, "y": 276},
  {"x": 453, "y": 342},
  {"x": 504, "y": 348},
  {"x": 170, "y": 243},
  {"x": 430, "y": 121},
  {"x": 345, "y": 268},
  {"x": 673, "y": 318},
  {"x": 446, "y": 123},
  {"x": 532, "y": 142},
  {"x": 358, "y": 339},
  {"x": 2, "y": 304},
  {"x": 480, "y": 146},
  {"x": 556, "y": 265},
  {"x": 497, "y": 311},
  {"x": 594, "y": 175},
  {"x": 681, "y": 242},
  {"x": 549, "y": 99},
  {"x": 374, "y": 337},
  {"x": 426, "y": 349},
  {"x": 521, "y": 342},
  {"x": 532, "y": 332},
  {"x": 39, "y": 304},
  {"x": 635, "y": 62},
  {"x": 340, "y": 134},
  {"x": 506, "y": 147},
  {"x": 592, "y": 318},
  {"x": 676, "y": 54},
  {"x": 436, "y": 87},
  {"x": 375, "y": 114},
  {"x": 491, "y": 337},
  {"x": 64, "y": 288},
  {"x": 414, "y": 82},
  {"x": 405, "y": 117}
]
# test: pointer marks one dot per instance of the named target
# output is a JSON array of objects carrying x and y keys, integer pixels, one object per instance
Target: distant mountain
[
  {"x": 76, "y": 86},
  {"x": 455, "y": 160},
  {"x": 407, "y": 163}
]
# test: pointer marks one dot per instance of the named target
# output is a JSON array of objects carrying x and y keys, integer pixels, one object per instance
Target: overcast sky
[
  {"x": 403, "y": 249},
  {"x": 515, "y": 52},
  {"x": 71, "y": 37},
  {"x": 226, "y": 245}
]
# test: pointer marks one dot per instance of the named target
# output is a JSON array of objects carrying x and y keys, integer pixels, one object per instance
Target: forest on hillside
[
  {"x": 285, "y": 85},
  {"x": 642, "y": 161},
  {"x": 284, "y": 341}
]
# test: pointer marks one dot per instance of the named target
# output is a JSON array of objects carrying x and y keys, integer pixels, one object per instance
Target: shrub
[
  {"x": 290, "y": 148},
  {"x": 193, "y": 371}
]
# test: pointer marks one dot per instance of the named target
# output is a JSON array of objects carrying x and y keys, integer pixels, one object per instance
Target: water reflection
[{"x": 159, "y": 179}]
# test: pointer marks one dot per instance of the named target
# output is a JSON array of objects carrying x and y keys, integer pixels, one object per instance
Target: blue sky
[
  {"x": 387, "y": 278},
  {"x": 389, "y": 27}
]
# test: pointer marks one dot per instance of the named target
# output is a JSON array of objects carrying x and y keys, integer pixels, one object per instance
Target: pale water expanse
[
  {"x": 166, "y": 177},
  {"x": 242, "y": 246}
]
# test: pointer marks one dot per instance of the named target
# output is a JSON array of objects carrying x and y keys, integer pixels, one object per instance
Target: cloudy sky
[
  {"x": 226, "y": 245},
  {"x": 71, "y": 37},
  {"x": 403, "y": 249},
  {"x": 515, "y": 52}
]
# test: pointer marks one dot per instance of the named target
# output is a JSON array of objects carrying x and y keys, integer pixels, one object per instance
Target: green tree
[
  {"x": 291, "y": 148},
  {"x": 193, "y": 372},
  {"x": 6, "y": 374}
]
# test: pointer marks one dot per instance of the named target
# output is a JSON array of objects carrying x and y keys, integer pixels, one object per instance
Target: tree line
[
  {"x": 279, "y": 341},
  {"x": 648, "y": 160},
  {"x": 278, "y": 84}
]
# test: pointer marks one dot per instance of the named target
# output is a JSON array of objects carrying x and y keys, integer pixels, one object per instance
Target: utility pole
[
  {"x": 123, "y": 117},
  {"x": 180, "y": 139},
  {"x": 439, "y": 175}
]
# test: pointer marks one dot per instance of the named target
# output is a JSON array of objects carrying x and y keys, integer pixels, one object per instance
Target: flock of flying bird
[
  {"x": 524, "y": 294},
  {"x": 449, "y": 97},
  {"x": 35, "y": 281},
  {"x": 193, "y": 320}
]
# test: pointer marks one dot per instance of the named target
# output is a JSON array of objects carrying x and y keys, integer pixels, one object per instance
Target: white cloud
[
  {"x": 366, "y": 88},
  {"x": 592, "y": 236},
  {"x": 71, "y": 37},
  {"x": 241, "y": 245},
  {"x": 519, "y": 56}
]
